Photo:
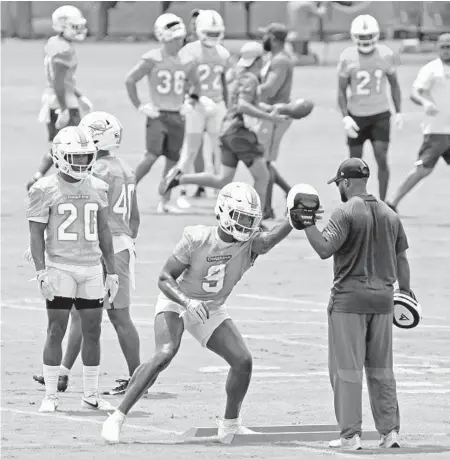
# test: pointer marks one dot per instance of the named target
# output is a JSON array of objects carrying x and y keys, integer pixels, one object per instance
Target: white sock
[
  {"x": 119, "y": 416},
  {"x": 51, "y": 375},
  {"x": 90, "y": 380},
  {"x": 231, "y": 422},
  {"x": 64, "y": 371}
]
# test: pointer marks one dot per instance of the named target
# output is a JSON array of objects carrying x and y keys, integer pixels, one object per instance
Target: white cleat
[
  {"x": 168, "y": 209},
  {"x": 391, "y": 440},
  {"x": 112, "y": 427},
  {"x": 232, "y": 427},
  {"x": 95, "y": 402},
  {"x": 49, "y": 404},
  {"x": 183, "y": 203},
  {"x": 353, "y": 443}
]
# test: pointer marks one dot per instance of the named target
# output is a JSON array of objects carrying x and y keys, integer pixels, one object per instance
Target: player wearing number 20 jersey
[
  {"x": 364, "y": 71},
  {"x": 195, "y": 282}
]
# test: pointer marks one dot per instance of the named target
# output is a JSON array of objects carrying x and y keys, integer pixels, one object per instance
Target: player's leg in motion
[
  {"x": 199, "y": 166},
  {"x": 380, "y": 150},
  {"x": 209, "y": 180},
  {"x": 168, "y": 329},
  {"x": 227, "y": 342},
  {"x": 73, "y": 347},
  {"x": 261, "y": 175},
  {"x": 380, "y": 379}
]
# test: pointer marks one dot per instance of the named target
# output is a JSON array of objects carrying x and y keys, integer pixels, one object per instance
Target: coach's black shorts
[
  {"x": 434, "y": 146},
  {"x": 373, "y": 127},
  {"x": 74, "y": 120},
  {"x": 240, "y": 144}
]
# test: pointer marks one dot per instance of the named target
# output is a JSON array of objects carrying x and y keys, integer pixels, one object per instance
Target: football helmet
[
  {"x": 70, "y": 22},
  {"x": 168, "y": 27},
  {"x": 365, "y": 32},
  {"x": 104, "y": 128},
  {"x": 74, "y": 152},
  {"x": 238, "y": 210},
  {"x": 210, "y": 27}
]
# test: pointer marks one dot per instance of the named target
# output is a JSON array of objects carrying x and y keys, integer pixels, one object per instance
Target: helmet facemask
[
  {"x": 75, "y": 29},
  {"x": 77, "y": 165},
  {"x": 366, "y": 42}
]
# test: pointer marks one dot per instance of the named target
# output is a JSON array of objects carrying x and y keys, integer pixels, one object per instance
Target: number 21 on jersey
[{"x": 368, "y": 82}]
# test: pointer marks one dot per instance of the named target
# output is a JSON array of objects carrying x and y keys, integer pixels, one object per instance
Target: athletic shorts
[
  {"x": 165, "y": 135},
  {"x": 201, "y": 332},
  {"x": 270, "y": 135},
  {"x": 434, "y": 146},
  {"x": 70, "y": 281},
  {"x": 240, "y": 144},
  {"x": 198, "y": 122},
  {"x": 74, "y": 120},
  {"x": 125, "y": 270},
  {"x": 373, "y": 127}
]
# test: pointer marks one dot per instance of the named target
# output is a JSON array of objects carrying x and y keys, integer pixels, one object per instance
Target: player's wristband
[
  {"x": 194, "y": 96},
  {"x": 37, "y": 175}
]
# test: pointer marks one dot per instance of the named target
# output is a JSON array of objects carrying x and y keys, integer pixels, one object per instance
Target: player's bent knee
[
  {"x": 164, "y": 356},
  {"x": 85, "y": 303},
  {"x": 244, "y": 364},
  {"x": 60, "y": 302}
]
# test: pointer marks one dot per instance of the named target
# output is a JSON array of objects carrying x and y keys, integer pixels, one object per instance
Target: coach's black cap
[
  {"x": 278, "y": 30},
  {"x": 351, "y": 168}
]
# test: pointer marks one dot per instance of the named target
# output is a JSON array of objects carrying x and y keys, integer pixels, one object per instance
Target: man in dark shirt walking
[{"x": 368, "y": 244}]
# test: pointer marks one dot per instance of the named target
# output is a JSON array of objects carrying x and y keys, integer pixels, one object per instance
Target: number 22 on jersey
[
  {"x": 368, "y": 82},
  {"x": 210, "y": 77}
]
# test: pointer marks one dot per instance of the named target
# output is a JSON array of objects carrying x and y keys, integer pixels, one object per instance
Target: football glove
[
  {"x": 430, "y": 108},
  {"x": 198, "y": 309},
  {"x": 112, "y": 286},
  {"x": 63, "y": 118},
  {"x": 149, "y": 110},
  {"x": 86, "y": 105},
  {"x": 208, "y": 105},
  {"x": 45, "y": 285},
  {"x": 350, "y": 127}
]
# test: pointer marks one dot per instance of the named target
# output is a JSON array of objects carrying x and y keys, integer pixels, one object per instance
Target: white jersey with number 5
[
  {"x": 70, "y": 212},
  {"x": 211, "y": 63},
  {"x": 367, "y": 79},
  {"x": 214, "y": 267}
]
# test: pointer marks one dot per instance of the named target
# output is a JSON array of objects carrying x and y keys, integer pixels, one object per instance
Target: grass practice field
[{"x": 280, "y": 305}]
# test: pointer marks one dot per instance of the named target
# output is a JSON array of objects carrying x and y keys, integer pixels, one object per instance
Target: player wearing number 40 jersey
[
  {"x": 365, "y": 69},
  {"x": 123, "y": 217},
  {"x": 167, "y": 72},
  {"x": 68, "y": 218},
  {"x": 195, "y": 283}
]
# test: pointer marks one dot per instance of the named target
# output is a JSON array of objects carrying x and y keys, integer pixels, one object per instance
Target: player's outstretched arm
[
  {"x": 105, "y": 240},
  {"x": 37, "y": 244},
  {"x": 135, "y": 217},
  {"x": 267, "y": 240},
  {"x": 135, "y": 75}
]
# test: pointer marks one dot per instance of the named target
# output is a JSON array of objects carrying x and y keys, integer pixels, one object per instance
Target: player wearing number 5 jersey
[
  {"x": 195, "y": 283},
  {"x": 68, "y": 217},
  {"x": 167, "y": 72},
  {"x": 364, "y": 71}
]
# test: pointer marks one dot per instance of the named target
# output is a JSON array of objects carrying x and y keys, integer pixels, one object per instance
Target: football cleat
[
  {"x": 63, "y": 381},
  {"x": 200, "y": 193},
  {"x": 120, "y": 388},
  {"x": 49, "y": 404},
  {"x": 171, "y": 180},
  {"x": 183, "y": 203},
  {"x": 227, "y": 427},
  {"x": 94, "y": 402},
  {"x": 166, "y": 208},
  {"x": 112, "y": 427},
  {"x": 391, "y": 440},
  {"x": 353, "y": 443}
]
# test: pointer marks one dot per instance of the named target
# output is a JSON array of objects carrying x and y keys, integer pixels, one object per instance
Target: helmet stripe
[{"x": 82, "y": 137}]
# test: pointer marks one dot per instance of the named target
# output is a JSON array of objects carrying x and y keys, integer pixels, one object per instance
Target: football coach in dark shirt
[{"x": 368, "y": 244}]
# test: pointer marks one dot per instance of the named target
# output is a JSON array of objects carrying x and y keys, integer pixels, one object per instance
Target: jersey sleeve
[
  {"x": 401, "y": 244},
  {"x": 183, "y": 250},
  {"x": 101, "y": 171},
  {"x": 102, "y": 192},
  {"x": 424, "y": 78},
  {"x": 337, "y": 229},
  {"x": 38, "y": 206},
  {"x": 392, "y": 62},
  {"x": 342, "y": 68},
  {"x": 59, "y": 51}
]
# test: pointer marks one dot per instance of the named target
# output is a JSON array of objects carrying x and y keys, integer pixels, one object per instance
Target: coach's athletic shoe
[
  {"x": 171, "y": 180},
  {"x": 353, "y": 443},
  {"x": 63, "y": 381},
  {"x": 95, "y": 402},
  {"x": 166, "y": 208},
  {"x": 391, "y": 440},
  {"x": 232, "y": 426},
  {"x": 49, "y": 404},
  {"x": 112, "y": 427},
  {"x": 120, "y": 388}
]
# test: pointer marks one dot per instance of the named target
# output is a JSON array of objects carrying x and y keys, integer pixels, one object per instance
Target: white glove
[
  {"x": 398, "y": 121},
  {"x": 149, "y": 110},
  {"x": 189, "y": 105},
  {"x": 350, "y": 127},
  {"x": 63, "y": 118},
  {"x": 208, "y": 105},
  {"x": 112, "y": 286},
  {"x": 86, "y": 105},
  {"x": 430, "y": 108},
  {"x": 45, "y": 285},
  {"x": 198, "y": 309}
]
